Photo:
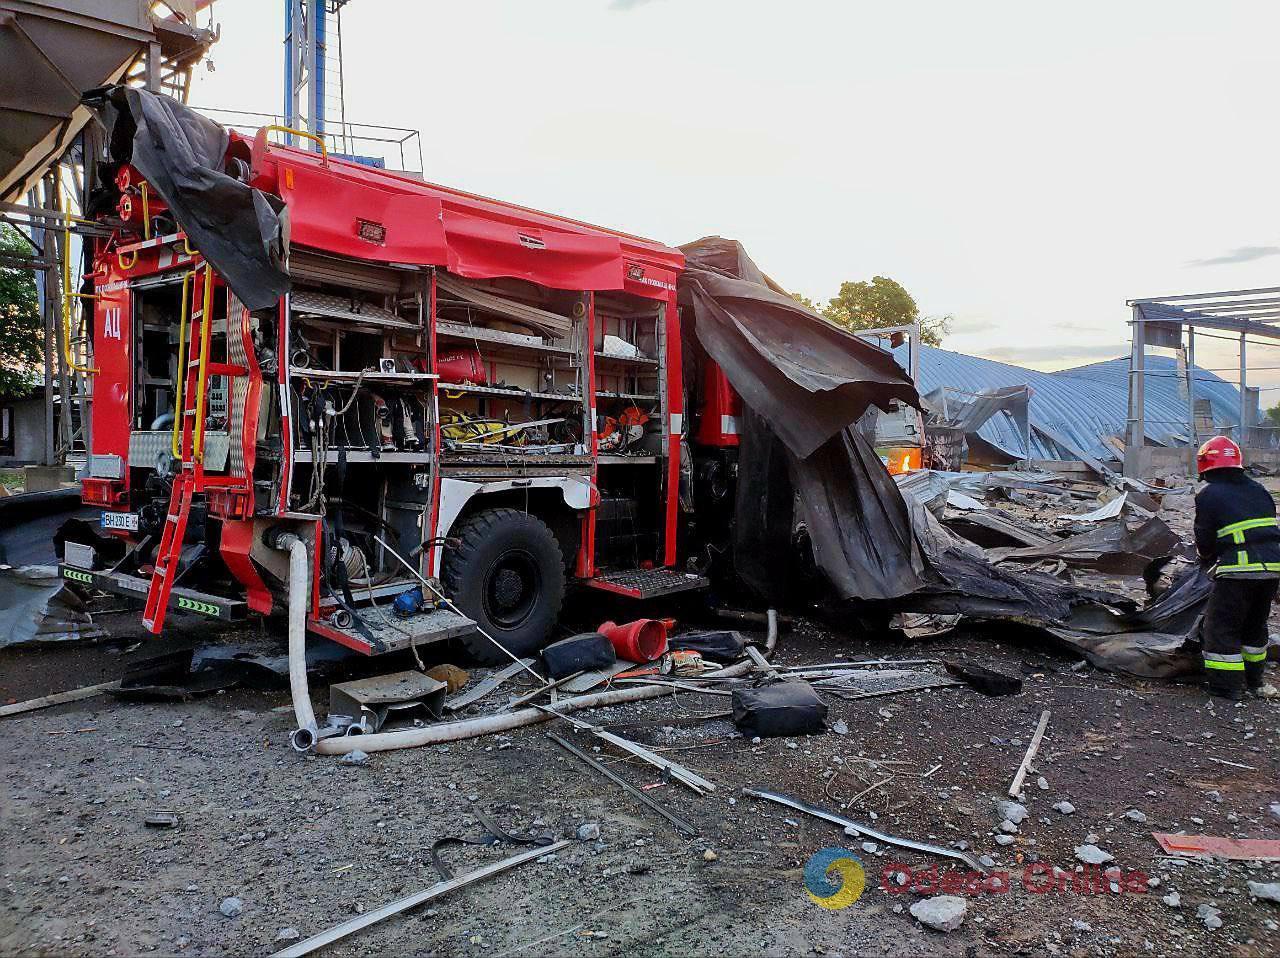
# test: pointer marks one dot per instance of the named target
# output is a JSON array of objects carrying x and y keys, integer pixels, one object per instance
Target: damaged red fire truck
[
  {"x": 345, "y": 392},
  {"x": 450, "y": 387}
]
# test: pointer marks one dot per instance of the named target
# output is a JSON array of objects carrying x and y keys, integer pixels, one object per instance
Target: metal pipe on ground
[{"x": 505, "y": 722}]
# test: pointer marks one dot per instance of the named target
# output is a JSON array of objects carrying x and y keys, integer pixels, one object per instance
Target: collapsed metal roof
[{"x": 1082, "y": 404}]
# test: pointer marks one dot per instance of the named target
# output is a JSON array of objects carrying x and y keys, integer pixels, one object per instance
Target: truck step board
[
  {"x": 648, "y": 583},
  {"x": 394, "y": 632}
]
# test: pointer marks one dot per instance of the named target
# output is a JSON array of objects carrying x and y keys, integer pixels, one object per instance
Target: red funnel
[{"x": 640, "y": 641}]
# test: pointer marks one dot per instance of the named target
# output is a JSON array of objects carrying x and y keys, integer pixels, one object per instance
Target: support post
[
  {"x": 1244, "y": 402},
  {"x": 48, "y": 297},
  {"x": 1136, "y": 433},
  {"x": 1193, "y": 440}
]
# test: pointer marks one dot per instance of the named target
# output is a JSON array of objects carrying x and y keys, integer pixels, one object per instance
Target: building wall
[{"x": 25, "y": 421}]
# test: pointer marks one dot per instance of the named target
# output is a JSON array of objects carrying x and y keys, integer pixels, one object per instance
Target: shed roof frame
[{"x": 1243, "y": 311}]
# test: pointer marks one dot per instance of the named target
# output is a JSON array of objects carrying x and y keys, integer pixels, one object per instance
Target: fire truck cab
[{"x": 455, "y": 394}]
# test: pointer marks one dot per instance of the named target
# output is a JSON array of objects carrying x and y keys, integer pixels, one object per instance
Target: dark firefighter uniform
[{"x": 1237, "y": 535}]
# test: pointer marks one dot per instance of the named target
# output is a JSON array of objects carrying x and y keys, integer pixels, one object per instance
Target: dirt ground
[{"x": 305, "y": 842}]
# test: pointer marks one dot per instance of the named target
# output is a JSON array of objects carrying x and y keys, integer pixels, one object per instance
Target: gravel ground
[{"x": 305, "y": 842}]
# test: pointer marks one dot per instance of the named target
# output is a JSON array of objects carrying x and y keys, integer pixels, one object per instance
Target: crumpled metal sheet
[
  {"x": 805, "y": 384},
  {"x": 1111, "y": 547},
  {"x": 36, "y": 606},
  {"x": 808, "y": 378}
]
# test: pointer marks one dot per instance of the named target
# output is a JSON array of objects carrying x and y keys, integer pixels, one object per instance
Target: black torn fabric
[{"x": 241, "y": 231}]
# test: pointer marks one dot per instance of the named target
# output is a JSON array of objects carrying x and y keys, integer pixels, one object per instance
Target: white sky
[{"x": 1026, "y": 167}]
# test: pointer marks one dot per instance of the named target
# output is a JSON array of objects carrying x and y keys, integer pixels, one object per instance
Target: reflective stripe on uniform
[
  {"x": 1238, "y": 529},
  {"x": 1242, "y": 564},
  {"x": 1223, "y": 660},
  {"x": 1255, "y": 653}
]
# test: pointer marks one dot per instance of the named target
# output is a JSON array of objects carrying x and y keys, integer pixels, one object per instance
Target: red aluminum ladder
[
  {"x": 169, "y": 552},
  {"x": 190, "y": 445}
]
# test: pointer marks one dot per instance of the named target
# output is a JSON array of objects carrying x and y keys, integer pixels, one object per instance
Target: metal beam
[
  {"x": 1193, "y": 296},
  {"x": 1231, "y": 325}
]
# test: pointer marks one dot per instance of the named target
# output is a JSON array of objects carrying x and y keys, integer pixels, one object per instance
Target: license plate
[{"x": 127, "y": 521}]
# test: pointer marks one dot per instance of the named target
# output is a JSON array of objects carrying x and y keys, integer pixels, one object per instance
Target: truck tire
[{"x": 507, "y": 573}]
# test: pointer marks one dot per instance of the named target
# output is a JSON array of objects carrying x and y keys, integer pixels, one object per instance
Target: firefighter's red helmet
[{"x": 1218, "y": 453}]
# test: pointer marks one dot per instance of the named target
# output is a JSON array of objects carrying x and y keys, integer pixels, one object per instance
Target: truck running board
[
  {"x": 648, "y": 583},
  {"x": 392, "y": 632}
]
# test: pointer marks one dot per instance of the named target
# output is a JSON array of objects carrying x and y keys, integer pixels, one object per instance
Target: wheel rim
[{"x": 511, "y": 589}]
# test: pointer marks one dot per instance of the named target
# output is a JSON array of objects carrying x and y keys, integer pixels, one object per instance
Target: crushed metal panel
[{"x": 376, "y": 699}]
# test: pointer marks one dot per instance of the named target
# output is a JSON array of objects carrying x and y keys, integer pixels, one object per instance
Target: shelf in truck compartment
[
  {"x": 364, "y": 455},
  {"x": 498, "y": 336},
  {"x": 634, "y": 360},
  {"x": 647, "y": 397},
  {"x": 337, "y": 307},
  {"x": 610, "y": 460},
  {"x": 514, "y": 393},
  {"x": 346, "y": 375}
]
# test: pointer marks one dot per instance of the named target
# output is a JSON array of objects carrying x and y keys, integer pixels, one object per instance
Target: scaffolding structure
[
  {"x": 1171, "y": 322},
  {"x": 52, "y": 144}
]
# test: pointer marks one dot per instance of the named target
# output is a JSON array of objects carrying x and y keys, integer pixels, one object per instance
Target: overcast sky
[{"x": 1025, "y": 167}]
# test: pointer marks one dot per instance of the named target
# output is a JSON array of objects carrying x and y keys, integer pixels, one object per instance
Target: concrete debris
[
  {"x": 1008, "y": 827},
  {"x": 286, "y": 935},
  {"x": 1066, "y": 808},
  {"x": 231, "y": 907},
  {"x": 1014, "y": 812},
  {"x": 709, "y": 856},
  {"x": 1135, "y": 816},
  {"x": 1093, "y": 855},
  {"x": 1266, "y": 891},
  {"x": 588, "y": 832},
  {"x": 355, "y": 758},
  {"x": 941, "y": 913},
  {"x": 1042, "y": 784},
  {"x": 1173, "y": 900},
  {"x": 1005, "y": 839},
  {"x": 1210, "y": 916}
]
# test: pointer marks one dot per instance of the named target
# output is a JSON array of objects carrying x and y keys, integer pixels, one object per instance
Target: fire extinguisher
[{"x": 462, "y": 366}]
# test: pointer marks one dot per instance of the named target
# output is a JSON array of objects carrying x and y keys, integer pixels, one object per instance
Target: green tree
[
  {"x": 806, "y": 302},
  {"x": 1273, "y": 415},
  {"x": 879, "y": 303},
  {"x": 21, "y": 331}
]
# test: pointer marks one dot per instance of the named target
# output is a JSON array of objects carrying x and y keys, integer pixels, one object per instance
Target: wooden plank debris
[
  {"x": 57, "y": 698},
  {"x": 1034, "y": 747}
]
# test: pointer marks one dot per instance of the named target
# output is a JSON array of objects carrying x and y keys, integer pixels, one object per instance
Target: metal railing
[{"x": 386, "y": 147}]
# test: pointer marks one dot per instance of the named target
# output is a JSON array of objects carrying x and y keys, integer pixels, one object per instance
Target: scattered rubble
[
  {"x": 1265, "y": 891},
  {"x": 231, "y": 907},
  {"x": 1093, "y": 855},
  {"x": 941, "y": 913}
]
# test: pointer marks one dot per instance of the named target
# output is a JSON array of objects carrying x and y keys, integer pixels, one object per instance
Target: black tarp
[
  {"x": 805, "y": 383},
  {"x": 241, "y": 231}
]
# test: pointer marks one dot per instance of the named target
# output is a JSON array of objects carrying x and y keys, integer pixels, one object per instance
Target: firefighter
[{"x": 1239, "y": 542}]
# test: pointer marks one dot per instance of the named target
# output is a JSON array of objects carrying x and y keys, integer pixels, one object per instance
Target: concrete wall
[
  {"x": 1166, "y": 461},
  {"x": 28, "y": 432}
]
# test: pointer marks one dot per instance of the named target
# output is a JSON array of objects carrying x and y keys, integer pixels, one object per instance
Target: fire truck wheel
[{"x": 507, "y": 573}]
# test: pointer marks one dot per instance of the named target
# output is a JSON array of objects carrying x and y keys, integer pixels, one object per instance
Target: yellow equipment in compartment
[{"x": 459, "y": 427}]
